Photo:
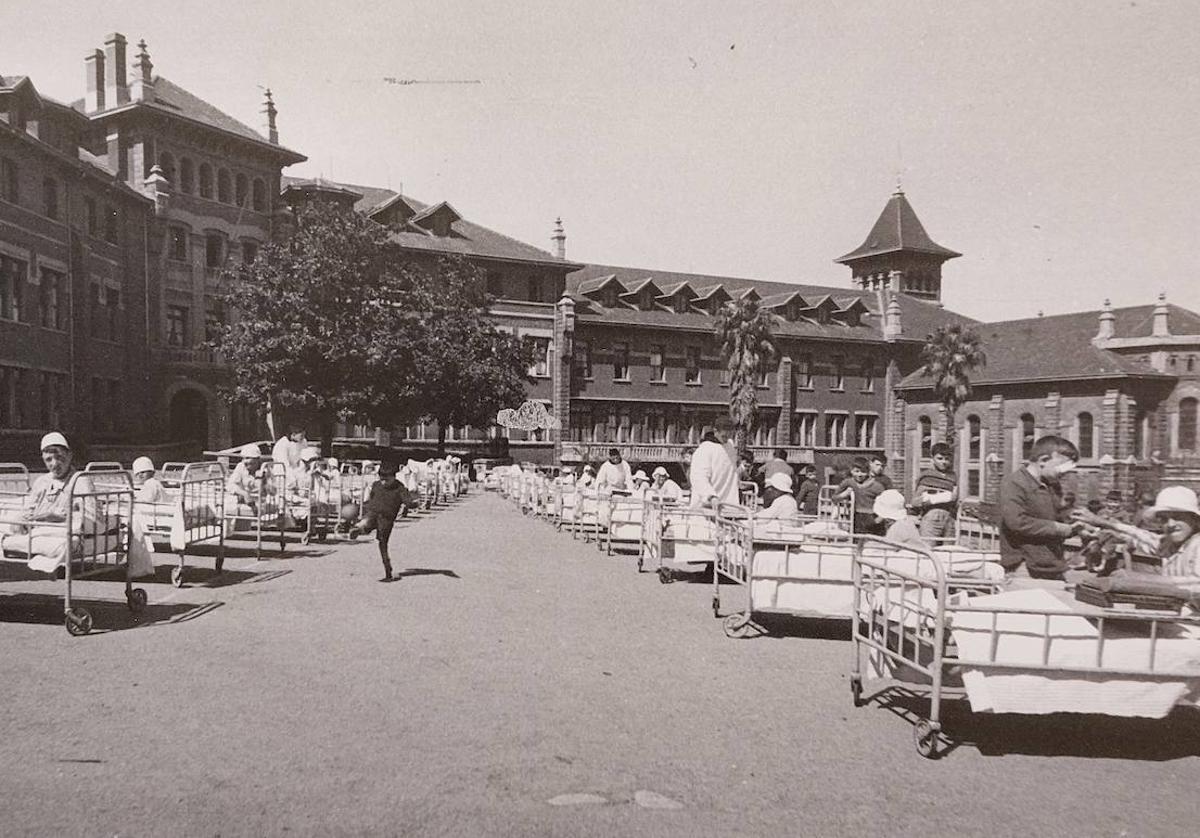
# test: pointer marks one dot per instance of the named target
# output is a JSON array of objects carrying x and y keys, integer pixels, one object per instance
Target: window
[
  {"x": 113, "y": 315},
  {"x": 99, "y": 320},
  {"x": 868, "y": 375},
  {"x": 9, "y": 188},
  {"x": 925, "y": 434},
  {"x": 177, "y": 241},
  {"x": 623, "y": 425},
  {"x": 224, "y": 187},
  {"x": 187, "y": 176},
  {"x": 609, "y": 297},
  {"x": 166, "y": 163},
  {"x": 53, "y": 387},
  {"x": 495, "y": 284},
  {"x": 1187, "y": 424},
  {"x": 540, "y": 368},
  {"x": 657, "y": 371},
  {"x": 111, "y": 222},
  {"x": 249, "y": 252},
  {"x": 972, "y": 465},
  {"x": 534, "y": 290},
  {"x": 214, "y": 250},
  {"x": 583, "y": 358},
  {"x": 656, "y": 425},
  {"x": 620, "y": 353},
  {"x": 241, "y": 189},
  {"x": 206, "y": 181},
  {"x": 681, "y": 304},
  {"x": 804, "y": 430},
  {"x": 865, "y": 431},
  {"x": 974, "y": 438},
  {"x": 764, "y": 376},
  {"x": 837, "y": 380},
  {"x": 258, "y": 195},
  {"x": 725, "y": 376},
  {"x": 214, "y": 321},
  {"x": 804, "y": 372},
  {"x": 1086, "y": 432},
  {"x": 91, "y": 215},
  {"x": 177, "y": 326},
  {"x": 50, "y": 197},
  {"x": 53, "y": 299},
  {"x": 12, "y": 288},
  {"x": 835, "y": 430},
  {"x": 1028, "y": 435},
  {"x": 12, "y": 397},
  {"x": 691, "y": 373}
]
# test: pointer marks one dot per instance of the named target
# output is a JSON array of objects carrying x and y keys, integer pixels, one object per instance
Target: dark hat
[{"x": 1114, "y": 495}]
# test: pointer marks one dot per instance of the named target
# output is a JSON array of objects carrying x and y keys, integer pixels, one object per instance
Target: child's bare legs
[{"x": 382, "y": 535}]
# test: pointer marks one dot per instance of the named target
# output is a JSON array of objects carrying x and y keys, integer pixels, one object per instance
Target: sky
[{"x": 1053, "y": 144}]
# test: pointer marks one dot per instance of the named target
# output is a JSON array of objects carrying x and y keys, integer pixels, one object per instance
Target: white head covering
[
  {"x": 143, "y": 464},
  {"x": 249, "y": 450},
  {"x": 1176, "y": 499},
  {"x": 641, "y": 475},
  {"x": 781, "y": 481},
  {"x": 54, "y": 438},
  {"x": 309, "y": 454},
  {"x": 890, "y": 505},
  {"x": 658, "y": 471}
]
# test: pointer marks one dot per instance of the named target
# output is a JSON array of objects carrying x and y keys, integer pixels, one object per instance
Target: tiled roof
[
  {"x": 173, "y": 99},
  {"x": 466, "y": 238},
  {"x": 917, "y": 318},
  {"x": 1060, "y": 346},
  {"x": 897, "y": 229}
]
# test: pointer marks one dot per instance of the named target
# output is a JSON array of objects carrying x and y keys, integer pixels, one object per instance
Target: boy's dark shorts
[{"x": 382, "y": 529}]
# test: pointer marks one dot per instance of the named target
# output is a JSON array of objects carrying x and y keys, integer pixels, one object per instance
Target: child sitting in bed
[
  {"x": 778, "y": 498},
  {"x": 149, "y": 488},
  {"x": 1178, "y": 513},
  {"x": 902, "y": 527}
]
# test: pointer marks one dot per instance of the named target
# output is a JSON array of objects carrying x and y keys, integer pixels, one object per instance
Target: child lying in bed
[{"x": 1178, "y": 511}]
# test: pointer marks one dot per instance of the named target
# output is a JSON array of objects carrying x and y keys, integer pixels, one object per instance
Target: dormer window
[
  {"x": 681, "y": 304},
  {"x": 823, "y": 316},
  {"x": 609, "y": 299}
]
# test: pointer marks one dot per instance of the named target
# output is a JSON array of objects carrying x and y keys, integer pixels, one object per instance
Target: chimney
[
  {"x": 560, "y": 239},
  {"x": 93, "y": 64},
  {"x": 895, "y": 281},
  {"x": 892, "y": 327},
  {"x": 1107, "y": 321},
  {"x": 142, "y": 89},
  {"x": 116, "y": 89},
  {"x": 156, "y": 187},
  {"x": 269, "y": 110},
  {"x": 1161, "y": 312}
]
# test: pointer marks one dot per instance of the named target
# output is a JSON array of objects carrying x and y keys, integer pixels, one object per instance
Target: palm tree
[
  {"x": 949, "y": 357},
  {"x": 745, "y": 332}
]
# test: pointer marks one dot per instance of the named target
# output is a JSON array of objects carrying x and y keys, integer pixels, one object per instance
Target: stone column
[
  {"x": 894, "y": 436},
  {"x": 787, "y": 402},
  {"x": 997, "y": 444},
  {"x": 560, "y": 372}
]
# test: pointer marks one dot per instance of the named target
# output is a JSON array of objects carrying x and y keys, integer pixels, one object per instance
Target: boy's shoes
[{"x": 389, "y": 578}]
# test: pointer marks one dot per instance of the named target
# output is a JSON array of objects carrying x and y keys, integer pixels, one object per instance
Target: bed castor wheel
[
  {"x": 926, "y": 739},
  {"x": 177, "y": 576},
  {"x": 136, "y": 600},
  {"x": 737, "y": 626},
  {"x": 665, "y": 576},
  {"x": 856, "y": 691},
  {"x": 79, "y": 622}
]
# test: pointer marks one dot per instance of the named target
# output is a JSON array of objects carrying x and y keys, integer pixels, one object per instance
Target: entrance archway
[{"x": 188, "y": 417}]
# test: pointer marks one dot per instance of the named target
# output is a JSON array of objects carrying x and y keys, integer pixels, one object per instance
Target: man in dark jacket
[{"x": 1031, "y": 534}]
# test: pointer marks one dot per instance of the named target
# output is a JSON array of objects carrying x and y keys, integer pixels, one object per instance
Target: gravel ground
[{"x": 513, "y": 683}]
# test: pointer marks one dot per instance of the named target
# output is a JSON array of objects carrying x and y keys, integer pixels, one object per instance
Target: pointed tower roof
[{"x": 897, "y": 230}]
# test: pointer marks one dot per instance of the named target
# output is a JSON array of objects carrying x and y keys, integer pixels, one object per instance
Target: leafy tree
[
  {"x": 466, "y": 370},
  {"x": 745, "y": 331},
  {"x": 949, "y": 356},
  {"x": 320, "y": 317}
]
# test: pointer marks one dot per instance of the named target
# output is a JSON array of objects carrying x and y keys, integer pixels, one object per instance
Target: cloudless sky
[{"x": 1054, "y": 144}]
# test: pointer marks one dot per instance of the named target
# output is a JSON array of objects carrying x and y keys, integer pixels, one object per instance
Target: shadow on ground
[
  {"x": 108, "y": 614},
  {"x": 426, "y": 571}
]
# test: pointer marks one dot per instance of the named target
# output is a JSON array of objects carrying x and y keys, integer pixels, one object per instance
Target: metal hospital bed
[
  {"x": 94, "y": 538},
  {"x": 1029, "y": 650},
  {"x": 266, "y": 516}
]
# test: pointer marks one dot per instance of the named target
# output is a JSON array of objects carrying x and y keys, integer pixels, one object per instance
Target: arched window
[
  {"x": 1028, "y": 435},
  {"x": 206, "y": 181},
  {"x": 1086, "y": 431},
  {"x": 974, "y": 438},
  {"x": 925, "y": 425},
  {"x": 241, "y": 189},
  {"x": 1187, "y": 424},
  {"x": 224, "y": 187},
  {"x": 167, "y": 164},
  {"x": 258, "y": 195},
  {"x": 187, "y": 176}
]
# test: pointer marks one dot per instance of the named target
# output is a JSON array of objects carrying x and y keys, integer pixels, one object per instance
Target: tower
[{"x": 898, "y": 254}]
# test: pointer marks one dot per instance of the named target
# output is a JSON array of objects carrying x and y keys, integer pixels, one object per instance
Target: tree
[
  {"x": 466, "y": 370},
  {"x": 949, "y": 356},
  {"x": 320, "y": 316},
  {"x": 745, "y": 332}
]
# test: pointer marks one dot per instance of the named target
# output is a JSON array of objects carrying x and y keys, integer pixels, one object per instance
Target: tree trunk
[
  {"x": 326, "y": 421},
  {"x": 949, "y": 431},
  {"x": 441, "y": 449}
]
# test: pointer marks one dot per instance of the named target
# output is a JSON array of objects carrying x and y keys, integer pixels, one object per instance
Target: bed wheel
[
  {"x": 177, "y": 576},
  {"x": 136, "y": 600},
  {"x": 665, "y": 576},
  {"x": 321, "y": 536},
  {"x": 856, "y": 691},
  {"x": 926, "y": 739},
  {"x": 79, "y": 622},
  {"x": 737, "y": 626},
  {"x": 641, "y": 562},
  {"x": 219, "y": 564}
]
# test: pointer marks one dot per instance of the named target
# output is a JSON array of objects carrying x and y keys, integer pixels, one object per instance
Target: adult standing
[
  {"x": 713, "y": 475},
  {"x": 615, "y": 473},
  {"x": 778, "y": 464},
  {"x": 288, "y": 447}
]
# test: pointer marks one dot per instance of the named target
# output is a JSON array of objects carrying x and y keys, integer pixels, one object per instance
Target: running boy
[
  {"x": 936, "y": 495},
  {"x": 387, "y": 496}
]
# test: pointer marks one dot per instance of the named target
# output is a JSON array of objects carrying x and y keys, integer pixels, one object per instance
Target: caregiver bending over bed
[{"x": 1178, "y": 511}]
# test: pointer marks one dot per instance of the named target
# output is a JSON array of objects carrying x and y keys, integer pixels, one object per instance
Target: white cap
[
  {"x": 309, "y": 454},
  {"x": 890, "y": 505},
  {"x": 1176, "y": 499},
  {"x": 54, "y": 438},
  {"x": 780, "y": 480},
  {"x": 641, "y": 475},
  {"x": 566, "y": 469},
  {"x": 333, "y": 462},
  {"x": 588, "y": 469},
  {"x": 658, "y": 471},
  {"x": 250, "y": 450},
  {"x": 143, "y": 464}
]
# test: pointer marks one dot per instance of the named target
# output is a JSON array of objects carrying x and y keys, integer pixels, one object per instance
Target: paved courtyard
[{"x": 513, "y": 683}]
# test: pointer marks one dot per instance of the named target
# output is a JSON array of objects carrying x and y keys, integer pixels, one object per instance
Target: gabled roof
[
  {"x": 897, "y": 229},
  {"x": 782, "y": 299},
  {"x": 429, "y": 213},
  {"x": 591, "y": 286},
  {"x": 747, "y": 293},
  {"x": 710, "y": 291},
  {"x": 640, "y": 286},
  {"x": 172, "y": 99},
  {"x": 1059, "y": 347},
  {"x": 677, "y": 288}
]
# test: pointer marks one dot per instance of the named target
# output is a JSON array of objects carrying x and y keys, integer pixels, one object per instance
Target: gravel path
[{"x": 513, "y": 683}]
